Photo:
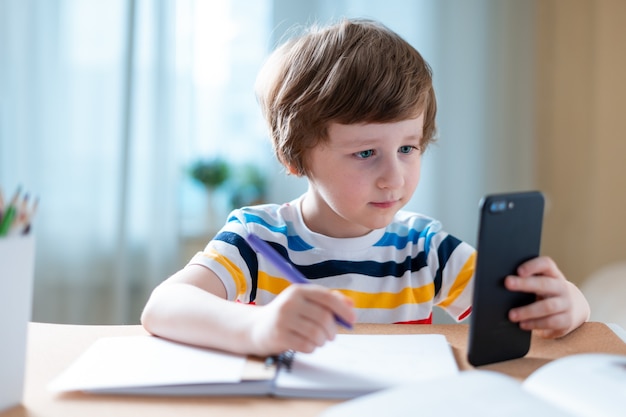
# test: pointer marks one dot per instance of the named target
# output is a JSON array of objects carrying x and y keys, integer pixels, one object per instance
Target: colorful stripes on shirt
[{"x": 396, "y": 274}]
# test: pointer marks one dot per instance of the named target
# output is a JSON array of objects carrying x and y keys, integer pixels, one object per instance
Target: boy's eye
[
  {"x": 407, "y": 149},
  {"x": 364, "y": 154}
]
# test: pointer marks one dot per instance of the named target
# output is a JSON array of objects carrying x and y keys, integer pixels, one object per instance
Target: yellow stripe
[
  {"x": 391, "y": 300},
  {"x": 461, "y": 281},
  {"x": 235, "y": 272},
  {"x": 388, "y": 300},
  {"x": 271, "y": 283}
]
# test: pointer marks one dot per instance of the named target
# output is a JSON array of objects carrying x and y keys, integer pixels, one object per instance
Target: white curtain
[
  {"x": 103, "y": 105},
  {"x": 84, "y": 95}
]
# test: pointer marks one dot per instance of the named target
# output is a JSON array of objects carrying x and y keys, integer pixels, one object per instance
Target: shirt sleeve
[
  {"x": 230, "y": 257},
  {"x": 454, "y": 276}
]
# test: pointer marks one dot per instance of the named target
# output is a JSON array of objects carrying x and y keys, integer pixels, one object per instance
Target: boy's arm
[
  {"x": 560, "y": 307},
  {"x": 190, "y": 307}
]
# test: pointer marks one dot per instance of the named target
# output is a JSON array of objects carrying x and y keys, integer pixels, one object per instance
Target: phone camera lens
[{"x": 498, "y": 206}]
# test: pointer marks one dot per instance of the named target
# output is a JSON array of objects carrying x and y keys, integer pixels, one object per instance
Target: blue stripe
[
  {"x": 294, "y": 242},
  {"x": 427, "y": 234},
  {"x": 369, "y": 268},
  {"x": 400, "y": 242},
  {"x": 447, "y": 246},
  {"x": 328, "y": 268},
  {"x": 413, "y": 235},
  {"x": 253, "y": 218}
]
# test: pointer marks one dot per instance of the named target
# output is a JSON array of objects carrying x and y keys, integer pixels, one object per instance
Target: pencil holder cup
[{"x": 17, "y": 265}]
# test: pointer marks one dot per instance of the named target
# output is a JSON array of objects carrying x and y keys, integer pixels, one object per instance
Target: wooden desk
[{"x": 52, "y": 347}]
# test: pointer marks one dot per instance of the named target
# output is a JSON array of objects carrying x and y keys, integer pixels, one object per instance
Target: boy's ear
[{"x": 292, "y": 170}]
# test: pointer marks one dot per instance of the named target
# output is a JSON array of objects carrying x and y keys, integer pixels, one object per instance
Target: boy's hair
[{"x": 356, "y": 71}]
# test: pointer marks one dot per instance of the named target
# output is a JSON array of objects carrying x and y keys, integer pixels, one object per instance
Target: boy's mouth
[{"x": 384, "y": 204}]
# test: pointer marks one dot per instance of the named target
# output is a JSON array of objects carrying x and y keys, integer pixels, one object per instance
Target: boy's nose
[{"x": 391, "y": 175}]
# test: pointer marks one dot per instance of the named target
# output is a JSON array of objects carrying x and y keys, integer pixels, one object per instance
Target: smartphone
[{"x": 509, "y": 234}]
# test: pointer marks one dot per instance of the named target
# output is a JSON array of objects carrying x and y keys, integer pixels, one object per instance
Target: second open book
[
  {"x": 580, "y": 385},
  {"x": 349, "y": 366}
]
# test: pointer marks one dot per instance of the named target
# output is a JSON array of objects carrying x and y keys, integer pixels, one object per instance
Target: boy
[{"x": 351, "y": 107}]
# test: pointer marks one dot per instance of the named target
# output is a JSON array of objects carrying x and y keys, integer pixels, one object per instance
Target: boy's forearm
[{"x": 190, "y": 315}]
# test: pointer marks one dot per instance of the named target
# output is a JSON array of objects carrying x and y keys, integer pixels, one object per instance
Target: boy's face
[{"x": 362, "y": 176}]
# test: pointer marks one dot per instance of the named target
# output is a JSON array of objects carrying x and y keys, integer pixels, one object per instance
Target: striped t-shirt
[{"x": 393, "y": 275}]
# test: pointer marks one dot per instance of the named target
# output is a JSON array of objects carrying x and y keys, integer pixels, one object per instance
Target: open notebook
[
  {"x": 349, "y": 366},
  {"x": 583, "y": 385}
]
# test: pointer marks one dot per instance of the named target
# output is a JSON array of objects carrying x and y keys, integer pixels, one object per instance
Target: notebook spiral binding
[{"x": 283, "y": 360}]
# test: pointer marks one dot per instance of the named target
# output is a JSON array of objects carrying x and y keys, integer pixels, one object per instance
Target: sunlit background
[{"x": 106, "y": 108}]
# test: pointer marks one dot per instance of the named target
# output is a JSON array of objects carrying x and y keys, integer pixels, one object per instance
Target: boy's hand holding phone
[{"x": 560, "y": 306}]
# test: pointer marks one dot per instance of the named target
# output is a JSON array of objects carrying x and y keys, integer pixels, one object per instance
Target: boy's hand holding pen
[
  {"x": 16, "y": 215},
  {"x": 289, "y": 272}
]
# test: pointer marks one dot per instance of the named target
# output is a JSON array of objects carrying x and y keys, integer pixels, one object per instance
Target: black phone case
[{"x": 509, "y": 234}]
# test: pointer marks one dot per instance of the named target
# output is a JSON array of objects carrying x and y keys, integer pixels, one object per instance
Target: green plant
[
  {"x": 211, "y": 173},
  {"x": 243, "y": 185},
  {"x": 248, "y": 186}
]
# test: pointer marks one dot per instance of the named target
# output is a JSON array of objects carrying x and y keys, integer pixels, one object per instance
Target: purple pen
[{"x": 288, "y": 270}]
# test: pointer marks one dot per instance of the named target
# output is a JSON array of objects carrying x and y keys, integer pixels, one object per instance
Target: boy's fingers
[
  {"x": 547, "y": 327},
  {"x": 345, "y": 307},
  {"x": 540, "y": 285},
  {"x": 539, "y": 310},
  {"x": 333, "y": 301},
  {"x": 312, "y": 332},
  {"x": 542, "y": 265}
]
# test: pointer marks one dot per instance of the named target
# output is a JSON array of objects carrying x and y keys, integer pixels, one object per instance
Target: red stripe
[
  {"x": 428, "y": 320},
  {"x": 467, "y": 313},
  {"x": 252, "y": 303}
]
